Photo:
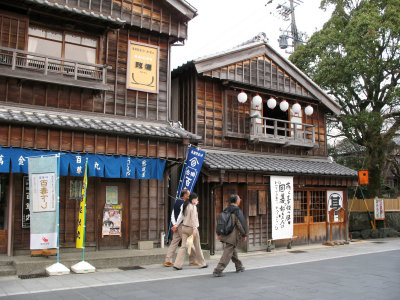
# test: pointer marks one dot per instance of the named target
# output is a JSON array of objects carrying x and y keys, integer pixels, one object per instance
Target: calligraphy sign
[
  {"x": 26, "y": 213},
  {"x": 43, "y": 192},
  {"x": 142, "y": 69},
  {"x": 335, "y": 202},
  {"x": 192, "y": 169},
  {"x": 282, "y": 207}
]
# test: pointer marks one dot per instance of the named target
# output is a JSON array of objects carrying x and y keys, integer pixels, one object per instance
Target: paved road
[{"x": 362, "y": 270}]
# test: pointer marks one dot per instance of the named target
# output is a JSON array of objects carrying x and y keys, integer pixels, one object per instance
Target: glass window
[
  {"x": 60, "y": 44},
  {"x": 300, "y": 206}
]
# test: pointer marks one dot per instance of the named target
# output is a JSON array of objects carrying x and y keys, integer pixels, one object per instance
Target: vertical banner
[
  {"x": 43, "y": 189},
  {"x": 26, "y": 213},
  {"x": 335, "y": 202},
  {"x": 80, "y": 235},
  {"x": 192, "y": 169},
  {"x": 379, "y": 209},
  {"x": 142, "y": 69},
  {"x": 282, "y": 207}
]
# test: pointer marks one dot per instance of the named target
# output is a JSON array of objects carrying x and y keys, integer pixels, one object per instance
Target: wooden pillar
[{"x": 10, "y": 234}]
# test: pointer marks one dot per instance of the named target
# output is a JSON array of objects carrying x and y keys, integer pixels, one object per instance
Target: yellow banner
[
  {"x": 80, "y": 237},
  {"x": 142, "y": 70}
]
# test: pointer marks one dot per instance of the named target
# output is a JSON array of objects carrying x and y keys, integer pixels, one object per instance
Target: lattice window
[
  {"x": 300, "y": 206},
  {"x": 318, "y": 206}
]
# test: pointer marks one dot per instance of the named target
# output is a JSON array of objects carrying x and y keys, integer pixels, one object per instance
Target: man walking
[
  {"x": 231, "y": 240},
  {"x": 177, "y": 220}
]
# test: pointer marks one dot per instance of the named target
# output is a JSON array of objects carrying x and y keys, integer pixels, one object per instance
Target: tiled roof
[
  {"x": 219, "y": 160},
  {"x": 83, "y": 12},
  {"x": 92, "y": 122}
]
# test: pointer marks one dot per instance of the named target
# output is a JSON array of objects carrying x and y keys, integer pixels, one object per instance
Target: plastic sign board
[
  {"x": 363, "y": 177},
  {"x": 142, "y": 69}
]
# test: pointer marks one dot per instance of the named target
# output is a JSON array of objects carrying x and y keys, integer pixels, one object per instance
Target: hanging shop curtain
[{"x": 73, "y": 164}]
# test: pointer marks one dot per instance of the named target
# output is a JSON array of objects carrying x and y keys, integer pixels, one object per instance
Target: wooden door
[
  {"x": 113, "y": 193},
  {"x": 259, "y": 217}
]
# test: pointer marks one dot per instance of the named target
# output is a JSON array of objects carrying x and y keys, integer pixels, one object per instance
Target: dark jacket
[{"x": 239, "y": 229}]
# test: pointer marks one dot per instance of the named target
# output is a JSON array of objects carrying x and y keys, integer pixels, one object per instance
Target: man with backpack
[{"x": 231, "y": 228}]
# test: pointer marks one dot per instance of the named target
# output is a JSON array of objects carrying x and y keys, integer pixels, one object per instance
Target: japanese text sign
[
  {"x": 282, "y": 207},
  {"x": 191, "y": 172}
]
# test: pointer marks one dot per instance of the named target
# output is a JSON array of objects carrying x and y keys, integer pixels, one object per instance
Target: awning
[{"x": 258, "y": 163}]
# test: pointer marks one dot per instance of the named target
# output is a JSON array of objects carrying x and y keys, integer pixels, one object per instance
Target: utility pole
[{"x": 286, "y": 9}]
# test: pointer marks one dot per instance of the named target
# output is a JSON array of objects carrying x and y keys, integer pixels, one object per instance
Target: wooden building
[
  {"x": 80, "y": 76},
  {"x": 247, "y": 143}
]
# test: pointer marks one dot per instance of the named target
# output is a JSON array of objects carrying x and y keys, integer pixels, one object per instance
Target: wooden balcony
[
  {"x": 282, "y": 132},
  {"x": 32, "y": 66}
]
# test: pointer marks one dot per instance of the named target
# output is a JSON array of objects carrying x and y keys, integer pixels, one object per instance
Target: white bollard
[{"x": 162, "y": 239}]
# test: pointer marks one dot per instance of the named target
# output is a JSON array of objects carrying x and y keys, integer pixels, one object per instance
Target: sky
[{"x": 223, "y": 24}]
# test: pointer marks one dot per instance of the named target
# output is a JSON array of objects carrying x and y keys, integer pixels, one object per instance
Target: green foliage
[{"x": 356, "y": 58}]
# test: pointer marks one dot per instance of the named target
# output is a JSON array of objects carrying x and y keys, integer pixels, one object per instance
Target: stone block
[
  {"x": 375, "y": 233},
  {"x": 365, "y": 233},
  {"x": 145, "y": 245}
]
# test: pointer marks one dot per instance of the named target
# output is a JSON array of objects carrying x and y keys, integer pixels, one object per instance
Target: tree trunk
[{"x": 376, "y": 162}]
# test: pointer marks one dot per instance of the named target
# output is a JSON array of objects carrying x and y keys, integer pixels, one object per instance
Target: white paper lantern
[
  {"x": 296, "y": 108},
  {"x": 284, "y": 105},
  {"x": 271, "y": 103},
  {"x": 242, "y": 97},
  {"x": 309, "y": 110},
  {"x": 257, "y": 102}
]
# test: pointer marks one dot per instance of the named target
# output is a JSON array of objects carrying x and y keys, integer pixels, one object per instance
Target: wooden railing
[
  {"x": 282, "y": 132},
  {"x": 48, "y": 65}
]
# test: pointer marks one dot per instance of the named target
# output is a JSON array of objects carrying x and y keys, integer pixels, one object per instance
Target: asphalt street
[{"x": 361, "y": 270}]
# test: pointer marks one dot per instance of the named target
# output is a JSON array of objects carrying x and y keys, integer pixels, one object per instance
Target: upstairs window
[{"x": 62, "y": 44}]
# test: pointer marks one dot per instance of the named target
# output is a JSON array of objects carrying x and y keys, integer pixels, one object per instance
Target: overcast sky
[{"x": 223, "y": 24}]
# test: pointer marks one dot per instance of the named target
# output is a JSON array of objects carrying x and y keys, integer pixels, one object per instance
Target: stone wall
[{"x": 360, "y": 226}]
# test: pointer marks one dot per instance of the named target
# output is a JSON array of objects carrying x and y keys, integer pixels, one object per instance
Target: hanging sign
[
  {"x": 43, "y": 189},
  {"x": 335, "y": 203},
  {"x": 26, "y": 213},
  {"x": 363, "y": 177},
  {"x": 111, "y": 194},
  {"x": 282, "y": 207},
  {"x": 379, "y": 209},
  {"x": 142, "y": 69},
  {"x": 192, "y": 169}
]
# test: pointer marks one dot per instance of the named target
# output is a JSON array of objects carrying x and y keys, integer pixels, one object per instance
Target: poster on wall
[
  {"x": 142, "y": 69},
  {"x": 282, "y": 207},
  {"x": 111, "y": 194},
  {"x": 379, "y": 209},
  {"x": 335, "y": 202},
  {"x": 26, "y": 213},
  {"x": 112, "y": 219}
]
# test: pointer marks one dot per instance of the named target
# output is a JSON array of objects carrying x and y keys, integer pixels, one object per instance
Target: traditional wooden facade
[
  {"x": 247, "y": 143},
  {"x": 64, "y": 87}
]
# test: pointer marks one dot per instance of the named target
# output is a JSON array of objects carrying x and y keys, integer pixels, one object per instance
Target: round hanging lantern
[
  {"x": 309, "y": 110},
  {"x": 242, "y": 97},
  {"x": 296, "y": 108},
  {"x": 257, "y": 102},
  {"x": 271, "y": 103},
  {"x": 284, "y": 105}
]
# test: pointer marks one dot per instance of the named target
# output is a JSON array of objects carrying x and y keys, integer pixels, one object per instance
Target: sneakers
[
  {"x": 194, "y": 263},
  {"x": 217, "y": 274},
  {"x": 168, "y": 264},
  {"x": 240, "y": 269}
]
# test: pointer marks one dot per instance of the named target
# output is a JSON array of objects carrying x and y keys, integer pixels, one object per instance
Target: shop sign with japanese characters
[
  {"x": 335, "y": 202},
  {"x": 142, "y": 69},
  {"x": 43, "y": 192},
  {"x": 282, "y": 207},
  {"x": 379, "y": 209},
  {"x": 26, "y": 213}
]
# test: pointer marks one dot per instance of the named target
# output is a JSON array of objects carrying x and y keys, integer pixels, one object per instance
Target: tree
[{"x": 356, "y": 59}]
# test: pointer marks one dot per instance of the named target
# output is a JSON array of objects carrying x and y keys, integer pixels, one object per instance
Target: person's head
[
  {"x": 185, "y": 194},
  {"x": 193, "y": 198},
  {"x": 235, "y": 199}
]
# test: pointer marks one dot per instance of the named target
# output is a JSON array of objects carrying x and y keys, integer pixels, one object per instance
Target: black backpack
[{"x": 224, "y": 223}]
